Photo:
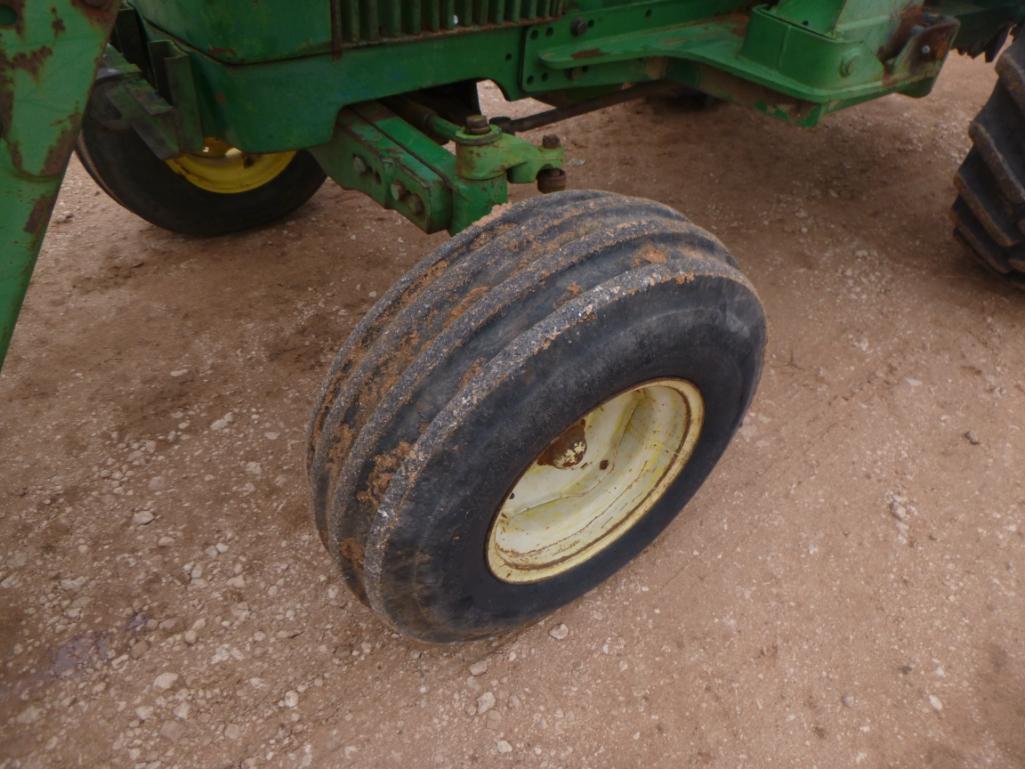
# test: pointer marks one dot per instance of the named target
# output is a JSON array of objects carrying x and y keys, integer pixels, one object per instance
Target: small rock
[
  {"x": 138, "y": 649},
  {"x": 485, "y": 702},
  {"x": 172, "y": 731},
  {"x": 72, "y": 585},
  {"x": 157, "y": 483},
  {"x": 847, "y": 700},
  {"x": 972, "y": 438},
  {"x": 190, "y": 637},
  {"x": 291, "y": 699},
  {"x": 254, "y": 469},
  {"x": 143, "y": 517},
  {"x": 165, "y": 681},
  {"x": 898, "y": 507},
  {"x": 232, "y": 732},
  {"x": 903, "y": 532},
  {"x": 28, "y": 715},
  {"x": 479, "y": 668},
  {"x": 559, "y": 632},
  {"x": 182, "y": 711},
  {"x": 935, "y": 703},
  {"x": 503, "y": 747},
  {"x": 223, "y": 422},
  {"x": 144, "y": 712},
  {"x": 237, "y": 581}
]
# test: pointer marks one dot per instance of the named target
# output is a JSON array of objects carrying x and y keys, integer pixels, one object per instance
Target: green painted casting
[{"x": 380, "y": 153}]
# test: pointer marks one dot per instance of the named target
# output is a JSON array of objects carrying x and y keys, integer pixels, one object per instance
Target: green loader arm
[{"x": 48, "y": 58}]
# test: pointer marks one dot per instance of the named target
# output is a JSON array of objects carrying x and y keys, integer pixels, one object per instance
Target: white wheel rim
[{"x": 595, "y": 481}]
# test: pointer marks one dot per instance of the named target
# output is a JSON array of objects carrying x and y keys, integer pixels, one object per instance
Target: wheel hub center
[{"x": 595, "y": 480}]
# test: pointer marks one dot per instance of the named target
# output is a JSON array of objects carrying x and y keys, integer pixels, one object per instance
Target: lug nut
[
  {"x": 477, "y": 125},
  {"x": 551, "y": 180},
  {"x": 577, "y": 27}
]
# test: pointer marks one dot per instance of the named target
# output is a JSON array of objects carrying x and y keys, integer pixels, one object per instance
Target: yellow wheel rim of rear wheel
[
  {"x": 223, "y": 169},
  {"x": 595, "y": 481}
]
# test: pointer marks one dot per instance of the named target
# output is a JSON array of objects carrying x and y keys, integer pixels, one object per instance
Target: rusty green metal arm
[
  {"x": 48, "y": 57},
  {"x": 391, "y": 158}
]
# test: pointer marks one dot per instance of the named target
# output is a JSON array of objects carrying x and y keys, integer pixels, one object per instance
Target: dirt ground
[{"x": 846, "y": 590}]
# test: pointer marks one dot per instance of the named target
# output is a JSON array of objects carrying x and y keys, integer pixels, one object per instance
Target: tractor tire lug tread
[{"x": 989, "y": 213}]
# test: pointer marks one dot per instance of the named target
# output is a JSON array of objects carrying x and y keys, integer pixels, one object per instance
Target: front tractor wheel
[{"x": 528, "y": 408}]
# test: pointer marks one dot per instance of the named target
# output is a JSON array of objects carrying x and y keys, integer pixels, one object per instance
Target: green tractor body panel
[{"x": 327, "y": 76}]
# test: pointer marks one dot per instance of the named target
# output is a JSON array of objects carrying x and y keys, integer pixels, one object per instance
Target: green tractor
[{"x": 527, "y": 408}]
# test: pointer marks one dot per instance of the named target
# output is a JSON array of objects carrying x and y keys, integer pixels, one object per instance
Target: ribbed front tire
[{"x": 500, "y": 366}]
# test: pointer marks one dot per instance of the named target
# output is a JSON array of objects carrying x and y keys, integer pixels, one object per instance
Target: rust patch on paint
[
  {"x": 567, "y": 450},
  {"x": 31, "y": 61},
  {"x": 60, "y": 150},
  {"x": 99, "y": 12},
  {"x": 35, "y": 224}
]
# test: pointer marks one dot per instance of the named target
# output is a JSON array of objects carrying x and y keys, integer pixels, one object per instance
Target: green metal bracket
[
  {"x": 169, "y": 128},
  {"x": 48, "y": 57},
  {"x": 387, "y": 156}
]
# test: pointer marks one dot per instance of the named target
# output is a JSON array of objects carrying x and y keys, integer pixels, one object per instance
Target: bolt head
[
  {"x": 577, "y": 27},
  {"x": 477, "y": 124},
  {"x": 551, "y": 180}
]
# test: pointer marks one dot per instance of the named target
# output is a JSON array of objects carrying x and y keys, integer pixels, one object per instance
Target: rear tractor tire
[
  {"x": 212, "y": 192},
  {"x": 989, "y": 213},
  {"x": 525, "y": 411}
]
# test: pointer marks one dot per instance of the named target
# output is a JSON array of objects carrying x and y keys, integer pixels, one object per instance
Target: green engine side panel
[{"x": 241, "y": 31}]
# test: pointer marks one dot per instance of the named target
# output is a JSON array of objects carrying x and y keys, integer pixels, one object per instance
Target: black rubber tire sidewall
[
  {"x": 125, "y": 167},
  {"x": 436, "y": 580}
]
